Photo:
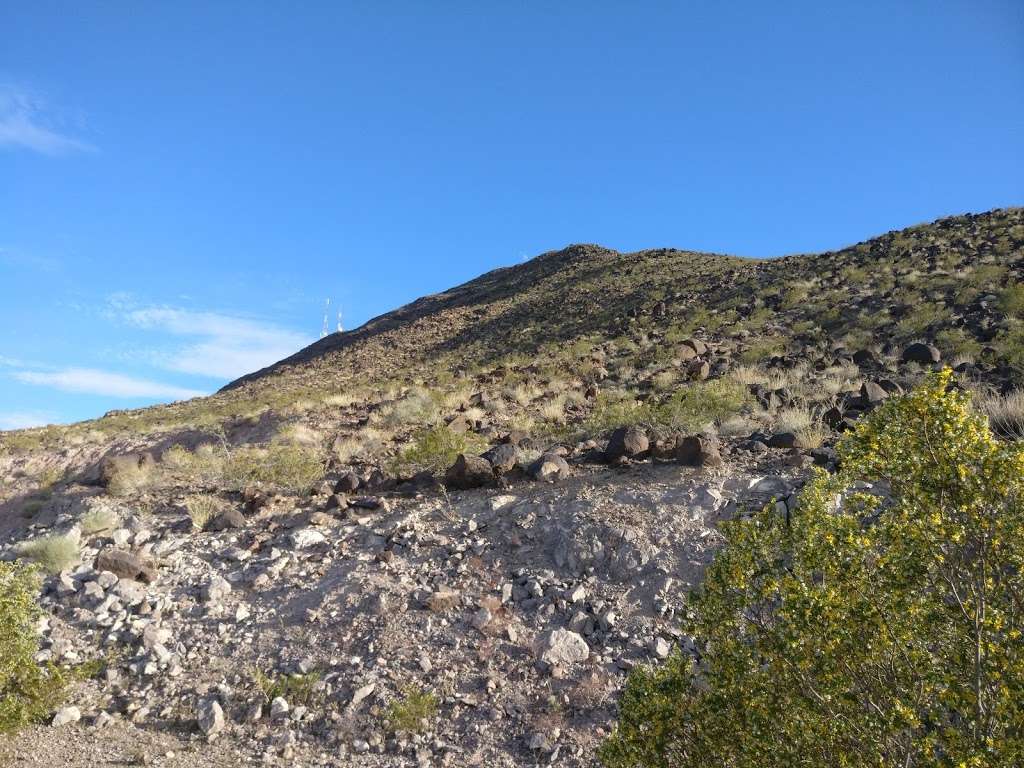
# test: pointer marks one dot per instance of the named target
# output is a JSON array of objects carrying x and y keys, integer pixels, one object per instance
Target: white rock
[
  {"x": 210, "y": 718},
  {"x": 562, "y": 648},
  {"x": 66, "y": 715},
  {"x": 216, "y": 589},
  {"x": 307, "y": 537},
  {"x": 362, "y": 693},
  {"x": 278, "y": 708},
  {"x": 660, "y": 647}
]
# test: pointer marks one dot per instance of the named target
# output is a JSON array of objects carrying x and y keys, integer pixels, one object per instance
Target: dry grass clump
[
  {"x": 664, "y": 381},
  {"x": 98, "y": 520},
  {"x": 52, "y": 553},
  {"x": 343, "y": 399},
  {"x": 130, "y": 478},
  {"x": 299, "y": 434},
  {"x": 202, "y": 508},
  {"x": 553, "y": 410},
  {"x": 523, "y": 394},
  {"x": 419, "y": 406},
  {"x": 1005, "y": 413},
  {"x": 794, "y": 419},
  {"x": 812, "y": 436}
]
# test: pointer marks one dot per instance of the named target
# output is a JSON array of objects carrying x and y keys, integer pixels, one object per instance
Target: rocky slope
[{"x": 445, "y": 538}]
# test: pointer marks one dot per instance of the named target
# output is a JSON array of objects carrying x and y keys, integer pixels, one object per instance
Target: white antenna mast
[
  {"x": 340, "y": 328},
  {"x": 327, "y": 308}
]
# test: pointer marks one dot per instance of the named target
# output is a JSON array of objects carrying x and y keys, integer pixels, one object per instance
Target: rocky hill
[{"x": 445, "y": 537}]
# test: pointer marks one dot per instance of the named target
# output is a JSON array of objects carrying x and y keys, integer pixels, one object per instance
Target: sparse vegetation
[
  {"x": 435, "y": 449},
  {"x": 202, "y": 508},
  {"x": 52, "y": 553},
  {"x": 28, "y": 691},
  {"x": 98, "y": 520},
  {"x": 295, "y": 689},
  {"x": 410, "y": 712},
  {"x": 290, "y": 467},
  {"x": 872, "y": 634}
]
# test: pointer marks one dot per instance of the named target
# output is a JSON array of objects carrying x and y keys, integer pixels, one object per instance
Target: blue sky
[{"x": 182, "y": 185}]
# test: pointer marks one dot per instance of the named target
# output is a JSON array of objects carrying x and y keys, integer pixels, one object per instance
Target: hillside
[{"x": 445, "y": 537}]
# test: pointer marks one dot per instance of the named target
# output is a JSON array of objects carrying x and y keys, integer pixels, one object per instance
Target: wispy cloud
[
  {"x": 95, "y": 382},
  {"x": 224, "y": 347},
  {"x": 26, "y": 123},
  {"x": 25, "y": 419}
]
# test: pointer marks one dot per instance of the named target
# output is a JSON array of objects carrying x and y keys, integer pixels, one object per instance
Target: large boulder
[
  {"x": 550, "y": 466},
  {"x": 630, "y": 442},
  {"x": 922, "y": 353},
  {"x": 469, "y": 472},
  {"x": 698, "y": 451},
  {"x": 697, "y": 346},
  {"x": 502, "y": 457},
  {"x": 872, "y": 393}
]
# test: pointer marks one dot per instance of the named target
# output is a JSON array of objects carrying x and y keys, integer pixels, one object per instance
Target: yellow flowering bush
[
  {"x": 28, "y": 691},
  {"x": 881, "y": 625}
]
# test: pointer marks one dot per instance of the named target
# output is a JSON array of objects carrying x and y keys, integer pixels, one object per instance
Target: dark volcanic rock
[
  {"x": 469, "y": 472},
  {"x": 125, "y": 565},
  {"x": 630, "y": 442}
]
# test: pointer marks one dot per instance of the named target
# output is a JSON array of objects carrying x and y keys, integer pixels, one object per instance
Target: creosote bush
[
  {"x": 435, "y": 449},
  {"x": 291, "y": 467},
  {"x": 689, "y": 409},
  {"x": 870, "y": 629},
  {"x": 28, "y": 691}
]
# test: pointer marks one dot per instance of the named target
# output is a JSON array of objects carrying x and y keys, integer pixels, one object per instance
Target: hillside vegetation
[{"x": 580, "y": 509}]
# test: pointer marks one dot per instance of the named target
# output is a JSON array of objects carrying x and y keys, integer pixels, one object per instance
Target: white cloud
[
  {"x": 25, "y": 419},
  {"x": 225, "y": 347},
  {"x": 24, "y": 124},
  {"x": 94, "y": 382}
]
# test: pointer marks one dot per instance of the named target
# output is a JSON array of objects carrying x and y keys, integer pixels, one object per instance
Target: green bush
[
  {"x": 689, "y": 409},
  {"x": 866, "y": 632},
  {"x": 409, "y": 713},
  {"x": 291, "y": 467},
  {"x": 28, "y": 691},
  {"x": 295, "y": 689},
  {"x": 52, "y": 553},
  {"x": 1011, "y": 300},
  {"x": 435, "y": 449}
]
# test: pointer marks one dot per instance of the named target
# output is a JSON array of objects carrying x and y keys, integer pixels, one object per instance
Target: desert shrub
[
  {"x": 290, "y": 467},
  {"x": 760, "y": 350},
  {"x": 956, "y": 342},
  {"x": 435, "y": 449},
  {"x": 295, "y": 689},
  {"x": 98, "y": 520},
  {"x": 202, "y": 508},
  {"x": 693, "y": 407},
  {"x": 419, "y": 406},
  {"x": 1011, "y": 344},
  {"x": 1011, "y": 300},
  {"x": 410, "y": 712},
  {"x": 28, "y": 691},
  {"x": 129, "y": 478},
  {"x": 862, "y": 630},
  {"x": 689, "y": 409},
  {"x": 52, "y": 553}
]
